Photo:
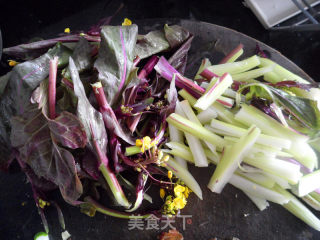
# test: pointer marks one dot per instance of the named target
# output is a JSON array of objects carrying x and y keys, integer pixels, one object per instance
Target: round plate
[{"x": 230, "y": 214}]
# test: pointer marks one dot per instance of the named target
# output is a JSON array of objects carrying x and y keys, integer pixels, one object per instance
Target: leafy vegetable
[
  {"x": 32, "y": 136},
  {"x": 150, "y": 44},
  {"x": 33, "y": 50},
  {"x": 175, "y": 35},
  {"x": 95, "y": 114},
  {"x": 22, "y": 80},
  {"x": 115, "y": 59}
]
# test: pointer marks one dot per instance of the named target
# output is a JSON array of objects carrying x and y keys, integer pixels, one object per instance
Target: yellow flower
[
  {"x": 67, "y": 30},
  {"x": 178, "y": 190},
  {"x": 180, "y": 202},
  {"x": 138, "y": 142},
  {"x": 187, "y": 192},
  {"x": 169, "y": 174},
  {"x": 43, "y": 203},
  {"x": 12, "y": 63},
  {"x": 166, "y": 158},
  {"x": 162, "y": 193},
  {"x": 146, "y": 144},
  {"x": 126, "y": 22}
]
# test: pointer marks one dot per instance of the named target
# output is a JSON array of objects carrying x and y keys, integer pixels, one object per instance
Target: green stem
[
  {"x": 114, "y": 185},
  {"x": 90, "y": 206},
  {"x": 132, "y": 150}
]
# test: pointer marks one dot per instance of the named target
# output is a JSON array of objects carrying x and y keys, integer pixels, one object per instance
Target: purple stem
[
  {"x": 233, "y": 52},
  {"x": 146, "y": 70},
  {"x": 52, "y": 87},
  {"x": 208, "y": 74}
]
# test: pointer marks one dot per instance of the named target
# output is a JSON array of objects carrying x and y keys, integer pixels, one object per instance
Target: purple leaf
[
  {"x": 179, "y": 59},
  {"x": 90, "y": 118},
  {"x": 31, "y": 136},
  {"x": 90, "y": 165},
  {"x": 68, "y": 131},
  {"x": 295, "y": 84},
  {"x": 115, "y": 59},
  {"x": 33, "y": 50}
]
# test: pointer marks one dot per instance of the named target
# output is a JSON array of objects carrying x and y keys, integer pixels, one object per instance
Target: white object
[{"x": 273, "y": 12}]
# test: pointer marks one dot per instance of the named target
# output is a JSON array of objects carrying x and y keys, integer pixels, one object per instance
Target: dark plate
[{"x": 230, "y": 214}]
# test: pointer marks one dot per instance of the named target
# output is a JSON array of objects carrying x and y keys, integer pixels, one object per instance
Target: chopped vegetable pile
[{"x": 110, "y": 111}]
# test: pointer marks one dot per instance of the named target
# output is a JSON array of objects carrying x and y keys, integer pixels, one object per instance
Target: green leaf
[
  {"x": 305, "y": 110},
  {"x": 150, "y": 44}
]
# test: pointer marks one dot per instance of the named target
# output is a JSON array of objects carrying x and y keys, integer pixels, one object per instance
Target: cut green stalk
[
  {"x": 214, "y": 92},
  {"x": 261, "y": 203},
  {"x": 280, "y": 181},
  {"x": 256, "y": 148},
  {"x": 230, "y": 93},
  {"x": 207, "y": 115},
  {"x": 193, "y": 142},
  {"x": 315, "y": 144},
  {"x": 183, "y": 151},
  {"x": 249, "y": 115},
  {"x": 281, "y": 73},
  {"x": 252, "y": 74},
  {"x": 204, "y": 64},
  {"x": 258, "y": 178},
  {"x": 233, "y": 55},
  {"x": 227, "y": 102},
  {"x": 214, "y": 157},
  {"x": 271, "y": 77},
  {"x": 300, "y": 149},
  {"x": 235, "y": 131},
  {"x": 194, "y": 129},
  {"x": 303, "y": 153},
  {"x": 231, "y": 157},
  {"x": 185, "y": 176},
  {"x": 225, "y": 115},
  {"x": 177, "y": 136},
  {"x": 312, "y": 202},
  {"x": 212, "y": 82},
  {"x": 286, "y": 170},
  {"x": 132, "y": 150},
  {"x": 235, "y": 67},
  {"x": 308, "y": 183},
  {"x": 257, "y": 190},
  {"x": 211, "y": 147},
  {"x": 180, "y": 150},
  {"x": 90, "y": 207},
  {"x": 185, "y": 106},
  {"x": 315, "y": 195},
  {"x": 187, "y": 96},
  {"x": 299, "y": 210}
]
